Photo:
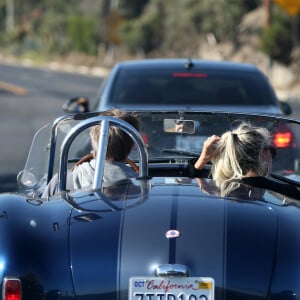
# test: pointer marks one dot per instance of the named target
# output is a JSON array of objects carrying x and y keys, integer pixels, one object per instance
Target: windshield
[
  {"x": 164, "y": 141},
  {"x": 44, "y": 156},
  {"x": 36, "y": 167},
  {"x": 170, "y": 137}
]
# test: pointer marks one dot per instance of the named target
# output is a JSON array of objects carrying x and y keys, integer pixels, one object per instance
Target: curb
[
  {"x": 57, "y": 66},
  {"x": 84, "y": 70}
]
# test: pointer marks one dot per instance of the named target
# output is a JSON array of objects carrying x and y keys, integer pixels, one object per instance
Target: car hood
[{"x": 232, "y": 240}]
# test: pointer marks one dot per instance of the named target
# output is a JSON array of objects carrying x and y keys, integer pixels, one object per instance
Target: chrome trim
[
  {"x": 101, "y": 153},
  {"x": 103, "y": 136},
  {"x": 172, "y": 270},
  {"x": 53, "y": 141},
  {"x": 7, "y": 278}
]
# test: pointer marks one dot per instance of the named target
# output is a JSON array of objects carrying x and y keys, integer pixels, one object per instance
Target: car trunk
[{"x": 232, "y": 241}]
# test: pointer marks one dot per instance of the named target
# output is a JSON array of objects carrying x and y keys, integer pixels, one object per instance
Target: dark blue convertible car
[{"x": 161, "y": 236}]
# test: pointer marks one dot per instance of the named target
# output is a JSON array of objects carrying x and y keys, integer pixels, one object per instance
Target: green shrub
[
  {"x": 141, "y": 33},
  {"x": 82, "y": 34},
  {"x": 276, "y": 40}
]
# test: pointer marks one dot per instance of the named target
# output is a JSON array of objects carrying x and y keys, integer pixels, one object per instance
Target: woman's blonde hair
[{"x": 239, "y": 151}]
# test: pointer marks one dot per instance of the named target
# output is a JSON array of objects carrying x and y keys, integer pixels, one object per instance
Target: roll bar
[{"x": 105, "y": 122}]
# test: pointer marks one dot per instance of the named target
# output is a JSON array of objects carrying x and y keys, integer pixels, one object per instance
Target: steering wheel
[
  {"x": 133, "y": 165},
  {"x": 89, "y": 156}
]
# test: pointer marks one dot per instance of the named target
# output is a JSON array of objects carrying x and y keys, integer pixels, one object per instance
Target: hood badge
[{"x": 172, "y": 234}]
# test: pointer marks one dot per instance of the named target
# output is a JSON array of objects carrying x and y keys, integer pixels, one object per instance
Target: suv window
[{"x": 195, "y": 88}]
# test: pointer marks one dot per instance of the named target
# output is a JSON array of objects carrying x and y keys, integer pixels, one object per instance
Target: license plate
[{"x": 171, "y": 288}]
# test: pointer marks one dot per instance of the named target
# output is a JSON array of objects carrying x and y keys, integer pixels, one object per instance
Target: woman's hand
[{"x": 208, "y": 152}]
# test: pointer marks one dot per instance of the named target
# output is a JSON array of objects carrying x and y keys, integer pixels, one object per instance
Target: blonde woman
[{"x": 246, "y": 151}]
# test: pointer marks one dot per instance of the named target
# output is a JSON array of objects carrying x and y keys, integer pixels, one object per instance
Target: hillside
[{"x": 286, "y": 80}]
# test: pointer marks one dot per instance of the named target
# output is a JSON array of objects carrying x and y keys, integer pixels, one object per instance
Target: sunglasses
[
  {"x": 178, "y": 122},
  {"x": 272, "y": 150}
]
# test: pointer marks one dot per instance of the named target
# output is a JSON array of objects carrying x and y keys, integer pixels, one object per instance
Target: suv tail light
[
  {"x": 11, "y": 289},
  {"x": 145, "y": 138},
  {"x": 283, "y": 139},
  {"x": 194, "y": 75}
]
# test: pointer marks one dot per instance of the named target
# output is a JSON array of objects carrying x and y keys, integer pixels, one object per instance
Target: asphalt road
[{"x": 31, "y": 98}]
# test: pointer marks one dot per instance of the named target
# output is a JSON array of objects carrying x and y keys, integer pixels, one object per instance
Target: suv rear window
[{"x": 195, "y": 88}]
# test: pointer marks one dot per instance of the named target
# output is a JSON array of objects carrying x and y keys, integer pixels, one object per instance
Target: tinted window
[{"x": 209, "y": 88}]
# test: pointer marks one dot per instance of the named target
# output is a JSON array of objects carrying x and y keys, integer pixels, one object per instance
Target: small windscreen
[{"x": 167, "y": 87}]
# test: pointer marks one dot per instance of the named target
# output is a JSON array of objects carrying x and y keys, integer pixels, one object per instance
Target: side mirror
[
  {"x": 77, "y": 105},
  {"x": 285, "y": 107},
  {"x": 27, "y": 180}
]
